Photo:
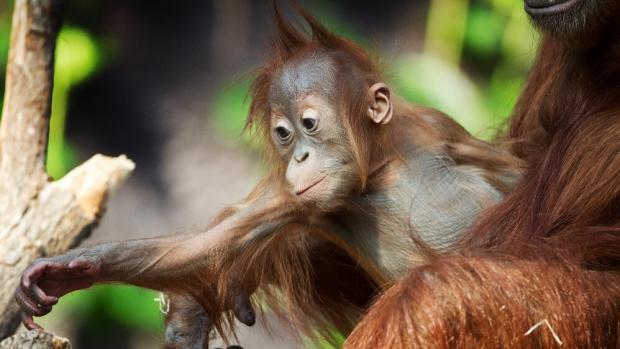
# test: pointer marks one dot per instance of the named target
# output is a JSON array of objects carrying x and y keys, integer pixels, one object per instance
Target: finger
[
  {"x": 80, "y": 263},
  {"x": 63, "y": 269},
  {"x": 28, "y": 321},
  {"x": 86, "y": 266},
  {"x": 29, "y": 306},
  {"x": 242, "y": 307},
  {"x": 29, "y": 287},
  {"x": 33, "y": 273},
  {"x": 33, "y": 309},
  {"x": 40, "y": 297},
  {"x": 59, "y": 288},
  {"x": 71, "y": 271},
  {"x": 58, "y": 271}
]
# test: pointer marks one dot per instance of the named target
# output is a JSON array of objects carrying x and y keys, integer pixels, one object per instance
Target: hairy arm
[
  {"x": 166, "y": 263},
  {"x": 155, "y": 263}
]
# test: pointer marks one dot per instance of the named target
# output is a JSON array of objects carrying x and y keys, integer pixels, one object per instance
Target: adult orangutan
[
  {"x": 540, "y": 269},
  {"x": 361, "y": 187}
]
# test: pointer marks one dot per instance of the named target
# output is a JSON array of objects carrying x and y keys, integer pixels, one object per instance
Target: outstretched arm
[{"x": 164, "y": 263}]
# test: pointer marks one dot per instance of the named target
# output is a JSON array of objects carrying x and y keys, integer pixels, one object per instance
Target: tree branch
[
  {"x": 27, "y": 103},
  {"x": 39, "y": 217}
]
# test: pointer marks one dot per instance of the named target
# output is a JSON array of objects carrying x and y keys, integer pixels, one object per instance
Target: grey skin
[{"x": 432, "y": 197}]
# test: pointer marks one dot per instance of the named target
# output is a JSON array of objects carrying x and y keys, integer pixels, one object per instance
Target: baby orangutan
[{"x": 361, "y": 187}]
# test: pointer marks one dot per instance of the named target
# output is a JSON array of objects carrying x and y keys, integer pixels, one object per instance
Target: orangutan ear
[{"x": 380, "y": 108}]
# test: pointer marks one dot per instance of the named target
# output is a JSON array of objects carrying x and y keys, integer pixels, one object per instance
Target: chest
[{"x": 431, "y": 203}]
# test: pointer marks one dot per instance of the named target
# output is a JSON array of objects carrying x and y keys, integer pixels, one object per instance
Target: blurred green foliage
[
  {"x": 5, "y": 24},
  {"x": 128, "y": 306},
  {"x": 77, "y": 57},
  {"x": 229, "y": 108},
  {"x": 475, "y": 58},
  {"x": 444, "y": 38}
]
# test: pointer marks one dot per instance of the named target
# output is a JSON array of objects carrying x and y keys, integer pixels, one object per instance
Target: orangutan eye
[
  {"x": 310, "y": 120},
  {"x": 283, "y": 133},
  {"x": 310, "y": 124}
]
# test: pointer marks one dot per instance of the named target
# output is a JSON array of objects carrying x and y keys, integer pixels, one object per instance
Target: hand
[{"x": 48, "y": 279}]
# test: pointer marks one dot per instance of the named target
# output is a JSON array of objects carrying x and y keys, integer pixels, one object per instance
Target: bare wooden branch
[
  {"x": 39, "y": 217},
  {"x": 27, "y": 105},
  {"x": 35, "y": 340},
  {"x": 60, "y": 215}
]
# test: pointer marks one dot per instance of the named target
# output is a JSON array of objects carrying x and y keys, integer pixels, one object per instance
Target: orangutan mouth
[{"x": 301, "y": 191}]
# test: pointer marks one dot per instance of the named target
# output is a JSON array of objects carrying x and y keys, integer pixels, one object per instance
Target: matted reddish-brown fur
[
  {"x": 551, "y": 250},
  {"x": 493, "y": 301}
]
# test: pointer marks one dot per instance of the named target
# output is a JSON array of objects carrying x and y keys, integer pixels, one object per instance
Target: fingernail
[{"x": 249, "y": 318}]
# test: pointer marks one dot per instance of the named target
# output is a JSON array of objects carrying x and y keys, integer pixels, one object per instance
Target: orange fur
[{"x": 551, "y": 250}]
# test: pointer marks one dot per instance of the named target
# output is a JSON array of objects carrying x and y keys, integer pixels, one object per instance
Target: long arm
[
  {"x": 154, "y": 263},
  {"x": 164, "y": 263}
]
